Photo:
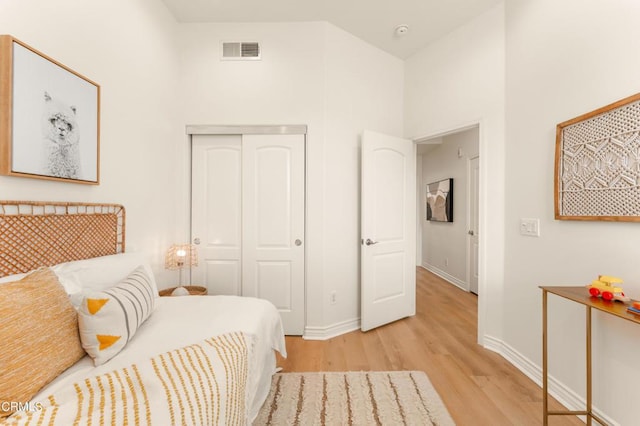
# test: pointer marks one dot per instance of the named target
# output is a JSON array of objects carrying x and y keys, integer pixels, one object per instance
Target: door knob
[
  {"x": 196, "y": 241},
  {"x": 471, "y": 232},
  {"x": 369, "y": 242},
  {"x": 298, "y": 242}
]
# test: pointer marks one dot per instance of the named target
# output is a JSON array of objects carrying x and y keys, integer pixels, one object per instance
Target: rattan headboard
[{"x": 35, "y": 234}]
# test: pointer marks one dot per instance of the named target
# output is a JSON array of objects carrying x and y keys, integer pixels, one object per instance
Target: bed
[{"x": 193, "y": 360}]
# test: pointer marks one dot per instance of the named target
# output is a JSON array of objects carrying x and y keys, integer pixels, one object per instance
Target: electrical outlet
[{"x": 332, "y": 298}]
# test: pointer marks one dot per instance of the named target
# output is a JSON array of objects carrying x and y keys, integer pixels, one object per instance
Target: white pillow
[
  {"x": 108, "y": 319},
  {"x": 99, "y": 273},
  {"x": 12, "y": 278}
]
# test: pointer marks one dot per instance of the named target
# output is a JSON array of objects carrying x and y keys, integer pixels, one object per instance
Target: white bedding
[{"x": 180, "y": 321}]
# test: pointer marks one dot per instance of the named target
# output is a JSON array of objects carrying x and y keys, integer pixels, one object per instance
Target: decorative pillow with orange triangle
[{"x": 108, "y": 319}]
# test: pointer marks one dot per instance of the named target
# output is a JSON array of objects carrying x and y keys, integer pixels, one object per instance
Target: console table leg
[{"x": 588, "y": 348}]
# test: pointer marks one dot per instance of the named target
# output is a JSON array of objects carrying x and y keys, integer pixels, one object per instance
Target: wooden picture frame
[
  {"x": 440, "y": 201},
  {"x": 49, "y": 117},
  {"x": 597, "y": 164}
]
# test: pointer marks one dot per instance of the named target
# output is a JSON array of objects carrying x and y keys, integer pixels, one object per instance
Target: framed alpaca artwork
[
  {"x": 440, "y": 201},
  {"x": 49, "y": 117},
  {"x": 597, "y": 164}
]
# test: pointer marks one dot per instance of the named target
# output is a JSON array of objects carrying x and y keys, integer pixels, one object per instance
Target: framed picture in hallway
[
  {"x": 49, "y": 117},
  {"x": 440, "y": 201}
]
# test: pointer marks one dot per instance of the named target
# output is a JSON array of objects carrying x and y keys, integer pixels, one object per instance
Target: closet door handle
[
  {"x": 196, "y": 241},
  {"x": 298, "y": 242}
]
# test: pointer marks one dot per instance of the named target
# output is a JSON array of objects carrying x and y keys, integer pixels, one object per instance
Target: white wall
[
  {"x": 455, "y": 82},
  {"x": 129, "y": 49},
  {"x": 565, "y": 59},
  {"x": 444, "y": 244},
  {"x": 309, "y": 75},
  {"x": 285, "y": 87},
  {"x": 364, "y": 90}
]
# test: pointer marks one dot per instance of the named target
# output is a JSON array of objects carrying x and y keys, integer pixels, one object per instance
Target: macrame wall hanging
[{"x": 597, "y": 170}]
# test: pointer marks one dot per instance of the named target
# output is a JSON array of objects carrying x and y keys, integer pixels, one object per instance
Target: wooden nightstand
[{"x": 194, "y": 290}]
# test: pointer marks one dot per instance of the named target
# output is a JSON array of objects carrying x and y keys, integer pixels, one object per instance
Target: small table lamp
[{"x": 180, "y": 256}]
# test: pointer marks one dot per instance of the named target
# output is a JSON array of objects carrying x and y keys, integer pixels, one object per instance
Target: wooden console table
[{"x": 580, "y": 295}]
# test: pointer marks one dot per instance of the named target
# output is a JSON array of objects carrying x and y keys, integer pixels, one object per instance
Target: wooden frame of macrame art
[{"x": 597, "y": 164}]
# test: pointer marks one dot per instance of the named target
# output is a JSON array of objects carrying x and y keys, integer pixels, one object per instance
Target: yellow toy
[{"x": 605, "y": 287}]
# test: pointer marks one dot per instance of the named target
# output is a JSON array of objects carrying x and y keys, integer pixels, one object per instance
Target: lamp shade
[{"x": 181, "y": 256}]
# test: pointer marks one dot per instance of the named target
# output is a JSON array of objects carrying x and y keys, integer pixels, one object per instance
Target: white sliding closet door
[
  {"x": 247, "y": 219},
  {"x": 273, "y": 224},
  {"x": 216, "y": 212}
]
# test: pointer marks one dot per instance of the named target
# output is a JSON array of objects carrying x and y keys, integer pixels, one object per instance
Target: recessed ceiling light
[{"x": 401, "y": 30}]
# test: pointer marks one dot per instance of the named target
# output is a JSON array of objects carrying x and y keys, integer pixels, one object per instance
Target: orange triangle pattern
[
  {"x": 106, "y": 341},
  {"x": 94, "y": 305}
]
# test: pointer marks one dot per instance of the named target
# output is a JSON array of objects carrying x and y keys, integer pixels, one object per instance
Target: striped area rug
[{"x": 353, "y": 398}]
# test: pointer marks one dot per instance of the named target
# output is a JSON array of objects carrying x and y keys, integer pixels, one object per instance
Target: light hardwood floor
[{"x": 478, "y": 386}]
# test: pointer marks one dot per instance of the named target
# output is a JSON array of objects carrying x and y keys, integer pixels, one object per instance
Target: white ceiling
[{"x": 371, "y": 20}]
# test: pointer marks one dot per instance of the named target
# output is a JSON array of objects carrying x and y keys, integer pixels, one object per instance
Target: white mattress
[{"x": 180, "y": 321}]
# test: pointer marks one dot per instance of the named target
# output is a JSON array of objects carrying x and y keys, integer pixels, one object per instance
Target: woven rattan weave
[{"x": 35, "y": 234}]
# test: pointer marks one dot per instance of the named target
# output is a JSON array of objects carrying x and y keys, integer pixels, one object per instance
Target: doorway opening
[{"x": 450, "y": 249}]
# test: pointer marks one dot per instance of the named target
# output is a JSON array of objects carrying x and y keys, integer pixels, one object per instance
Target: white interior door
[
  {"x": 216, "y": 212},
  {"x": 474, "y": 191},
  {"x": 388, "y": 229},
  {"x": 273, "y": 224}
]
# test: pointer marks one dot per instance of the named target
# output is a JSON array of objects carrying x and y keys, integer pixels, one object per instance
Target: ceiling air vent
[{"x": 240, "y": 51}]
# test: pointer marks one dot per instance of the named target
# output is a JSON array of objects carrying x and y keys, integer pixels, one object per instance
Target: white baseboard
[
  {"x": 445, "y": 276},
  {"x": 333, "y": 330},
  {"x": 565, "y": 395},
  {"x": 493, "y": 344}
]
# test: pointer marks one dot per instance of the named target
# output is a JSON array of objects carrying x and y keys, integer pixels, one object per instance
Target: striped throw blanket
[{"x": 200, "y": 384}]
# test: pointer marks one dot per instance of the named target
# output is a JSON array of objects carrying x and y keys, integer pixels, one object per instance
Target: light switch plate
[{"x": 530, "y": 227}]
